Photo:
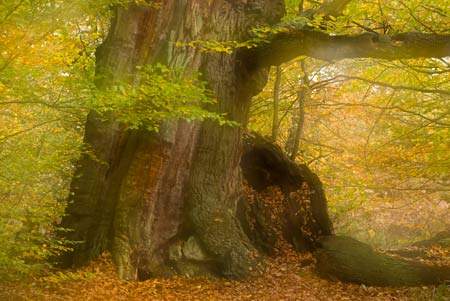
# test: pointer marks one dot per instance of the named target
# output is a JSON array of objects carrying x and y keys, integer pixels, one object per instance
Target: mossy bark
[
  {"x": 147, "y": 196},
  {"x": 349, "y": 260},
  {"x": 138, "y": 193}
]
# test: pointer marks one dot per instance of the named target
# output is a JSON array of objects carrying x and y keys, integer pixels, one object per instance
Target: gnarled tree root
[{"x": 350, "y": 260}]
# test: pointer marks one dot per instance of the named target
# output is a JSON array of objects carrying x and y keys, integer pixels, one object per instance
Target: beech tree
[{"x": 145, "y": 195}]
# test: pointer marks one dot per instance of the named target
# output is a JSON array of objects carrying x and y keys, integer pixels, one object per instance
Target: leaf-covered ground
[{"x": 288, "y": 277}]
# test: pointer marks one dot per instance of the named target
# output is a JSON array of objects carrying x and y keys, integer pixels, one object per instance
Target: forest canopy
[{"x": 356, "y": 91}]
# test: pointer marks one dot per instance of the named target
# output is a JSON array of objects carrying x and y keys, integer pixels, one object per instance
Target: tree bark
[
  {"x": 349, "y": 260},
  {"x": 298, "y": 120},
  {"x": 276, "y": 103},
  {"x": 143, "y": 195},
  {"x": 287, "y": 45},
  {"x": 166, "y": 203}
]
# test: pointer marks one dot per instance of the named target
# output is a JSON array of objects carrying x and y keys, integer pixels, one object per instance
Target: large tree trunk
[
  {"x": 167, "y": 203},
  {"x": 141, "y": 194}
]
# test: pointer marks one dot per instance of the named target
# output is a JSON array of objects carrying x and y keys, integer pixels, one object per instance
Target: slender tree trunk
[
  {"x": 301, "y": 7},
  {"x": 298, "y": 120},
  {"x": 276, "y": 103},
  {"x": 296, "y": 131}
]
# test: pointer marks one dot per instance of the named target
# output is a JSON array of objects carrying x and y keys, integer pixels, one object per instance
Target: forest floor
[{"x": 287, "y": 277}]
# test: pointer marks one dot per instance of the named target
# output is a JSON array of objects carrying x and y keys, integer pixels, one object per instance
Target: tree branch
[
  {"x": 333, "y": 8},
  {"x": 286, "y": 45},
  {"x": 391, "y": 86}
]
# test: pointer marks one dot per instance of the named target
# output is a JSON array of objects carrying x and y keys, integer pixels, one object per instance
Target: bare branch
[
  {"x": 5, "y": 138},
  {"x": 333, "y": 8},
  {"x": 391, "y": 86}
]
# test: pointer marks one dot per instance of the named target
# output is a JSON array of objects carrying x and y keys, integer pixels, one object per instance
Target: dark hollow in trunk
[
  {"x": 290, "y": 193},
  {"x": 349, "y": 260}
]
